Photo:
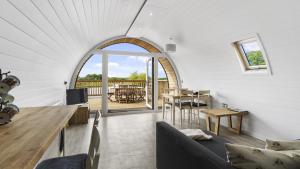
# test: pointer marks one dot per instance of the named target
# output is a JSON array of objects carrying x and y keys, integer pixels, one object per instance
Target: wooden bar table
[
  {"x": 24, "y": 141},
  {"x": 218, "y": 113}
]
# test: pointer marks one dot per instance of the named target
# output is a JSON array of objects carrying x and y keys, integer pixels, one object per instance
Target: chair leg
[
  {"x": 164, "y": 111},
  {"x": 181, "y": 116},
  {"x": 194, "y": 114},
  {"x": 189, "y": 117},
  {"x": 198, "y": 116}
]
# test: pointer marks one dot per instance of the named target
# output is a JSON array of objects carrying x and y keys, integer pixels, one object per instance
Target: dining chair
[
  {"x": 97, "y": 116},
  {"x": 184, "y": 102},
  {"x": 168, "y": 102},
  {"x": 200, "y": 103},
  {"x": 78, "y": 161}
]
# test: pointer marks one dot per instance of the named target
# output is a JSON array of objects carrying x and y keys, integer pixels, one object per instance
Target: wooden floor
[{"x": 128, "y": 141}]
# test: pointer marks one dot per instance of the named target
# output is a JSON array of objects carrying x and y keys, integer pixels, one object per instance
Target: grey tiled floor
[{"x": 128, "y": 141}]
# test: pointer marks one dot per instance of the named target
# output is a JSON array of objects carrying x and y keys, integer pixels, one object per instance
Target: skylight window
[{"x": 251, "y": 55}]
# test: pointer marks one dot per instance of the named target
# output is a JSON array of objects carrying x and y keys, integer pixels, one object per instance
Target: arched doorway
[{"x": 164, "y": 62}]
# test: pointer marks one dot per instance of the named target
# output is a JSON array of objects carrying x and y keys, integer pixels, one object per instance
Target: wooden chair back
[
  {"x": 198, "y": 99},
  {"x": 187, "y": 96},
  {"x": 203, "y": 92},
  {"x": 185, "y": 91},
  {"x": 169, "y": 91},
  {"x": 94, "y": 150},
  {"x": 96, "y": 120}
]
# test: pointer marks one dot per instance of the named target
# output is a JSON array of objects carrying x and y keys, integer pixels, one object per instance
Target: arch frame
[{"x": 104, "y": 43}]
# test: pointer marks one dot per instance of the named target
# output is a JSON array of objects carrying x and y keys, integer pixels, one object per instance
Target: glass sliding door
[{"x": 149, "y": 83}]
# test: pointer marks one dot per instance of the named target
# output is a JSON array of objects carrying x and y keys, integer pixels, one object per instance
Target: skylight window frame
[{"x": 243, "y": 59}]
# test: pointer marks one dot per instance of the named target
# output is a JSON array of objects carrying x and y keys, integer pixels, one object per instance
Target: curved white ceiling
[{"x": 41, "y": 41}]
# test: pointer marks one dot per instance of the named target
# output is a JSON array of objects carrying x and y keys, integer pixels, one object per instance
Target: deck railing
[{"x": 95, "y": 86}]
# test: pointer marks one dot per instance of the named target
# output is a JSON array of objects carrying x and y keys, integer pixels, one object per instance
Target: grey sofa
[{"x": 174, "y": 150}]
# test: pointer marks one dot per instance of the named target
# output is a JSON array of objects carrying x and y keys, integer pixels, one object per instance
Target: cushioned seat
[
  {"x": 68, "y": 162},
  {"x": 216, "y": 145},
  {"x": 183, "y": 104},
  {"x": 174, "y": 150},
  {"x": 195, "y": 104}
]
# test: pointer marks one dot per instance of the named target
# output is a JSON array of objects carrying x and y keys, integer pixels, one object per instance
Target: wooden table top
[
  {"x": 220, "y": 112},
  {"x": 28, "y": 136},
  {"x": 182, "y": 95}
]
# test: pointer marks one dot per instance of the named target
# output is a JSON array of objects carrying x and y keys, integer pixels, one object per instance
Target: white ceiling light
[
  {"x": 170, "y": 47},
  {"x": 150, "y": 13}
]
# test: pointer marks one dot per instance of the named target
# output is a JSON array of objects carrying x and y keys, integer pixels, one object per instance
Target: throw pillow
[
  {"x": 244, "y": 157},
  {"x": 282, "y": 145},
  {"x": 196, "y": 134}
]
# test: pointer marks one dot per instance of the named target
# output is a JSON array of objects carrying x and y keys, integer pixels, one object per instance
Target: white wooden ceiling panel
[
  {"x": 81, "y": 16},
  {"x": 56, "y": 23},
  {"x": 11, "y": 46},
  {"x": 66, "y": 12},
  {"x": 27, "y": 26},
  {"x": 18, "y": 23},
  {"x": 32, "y": 13}
]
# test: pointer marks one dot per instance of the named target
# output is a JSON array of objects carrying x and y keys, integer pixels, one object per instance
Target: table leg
[
  {"x": 229, "y": 122},
  {"x": 239, "y": 125},
  {"x": 163, "y": 107},
  {"x": 208, "y": 126},
  {"x": 173, "y": 110},
  {"x": 217, "y": 126},
  {"x": 62, "y": 142}
]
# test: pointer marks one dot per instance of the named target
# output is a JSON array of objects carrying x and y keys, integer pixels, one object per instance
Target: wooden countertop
[{"x": 28, "y": 136}]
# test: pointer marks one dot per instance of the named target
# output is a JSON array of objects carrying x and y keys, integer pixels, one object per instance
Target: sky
[
  {"x": 119, "y": 66},
  {"x": 252, "y": 46}
]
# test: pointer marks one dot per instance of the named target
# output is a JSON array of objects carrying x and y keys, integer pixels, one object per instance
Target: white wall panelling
[{"x": 42, "y": 41}]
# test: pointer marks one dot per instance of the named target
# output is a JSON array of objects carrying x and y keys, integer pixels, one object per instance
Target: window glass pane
[{"x": 253, "y": 53}]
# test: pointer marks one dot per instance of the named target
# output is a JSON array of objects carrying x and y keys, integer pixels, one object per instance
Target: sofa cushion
[
  {"x": 216, "y": 145},
  {"x": 244, "y": 157},
  {"x": 282, "y": 145},
  {"x": 174, "y": 150}
]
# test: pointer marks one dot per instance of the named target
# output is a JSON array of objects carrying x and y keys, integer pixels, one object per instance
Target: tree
[
  {"x": 255, "y": 58},
  {"x": 92, "y": 77},
  {"x": 137, "y": 76}
]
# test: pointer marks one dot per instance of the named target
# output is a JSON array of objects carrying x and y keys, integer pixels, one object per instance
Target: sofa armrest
[{"x": 174, "y": 150}]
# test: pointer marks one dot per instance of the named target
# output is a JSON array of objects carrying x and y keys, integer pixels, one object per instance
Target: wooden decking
[{"x": 95, "y": 104}]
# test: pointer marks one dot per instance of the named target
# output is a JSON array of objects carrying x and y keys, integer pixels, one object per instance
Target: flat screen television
[{"x": 77, "y": 96}]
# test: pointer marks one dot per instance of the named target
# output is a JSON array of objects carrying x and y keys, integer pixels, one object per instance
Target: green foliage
[
  {"x": 162, "y": 78},
  {"x": 255, "y": 58},
  {"x": 137, "y": 76},
  {"x": 117, "y": 78},
  {"x": 133, "y": 76},
  {"x": 91, "y": 77}
]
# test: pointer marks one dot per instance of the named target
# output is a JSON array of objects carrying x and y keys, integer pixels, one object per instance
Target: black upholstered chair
[
  {"x": 185, "y": 102},
  {"x": 79, "y": 161},
  {"x": 200, "y": 103}
]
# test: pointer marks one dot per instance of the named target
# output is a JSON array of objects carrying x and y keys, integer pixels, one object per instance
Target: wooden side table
[
  {"x": 81, "y": 116},
  {"x": 218, "y": 113}
]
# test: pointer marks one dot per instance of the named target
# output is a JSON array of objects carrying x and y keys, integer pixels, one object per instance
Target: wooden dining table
[
  {"x": 24, "y": 141},
  {"x": 174, "y": 97}
]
